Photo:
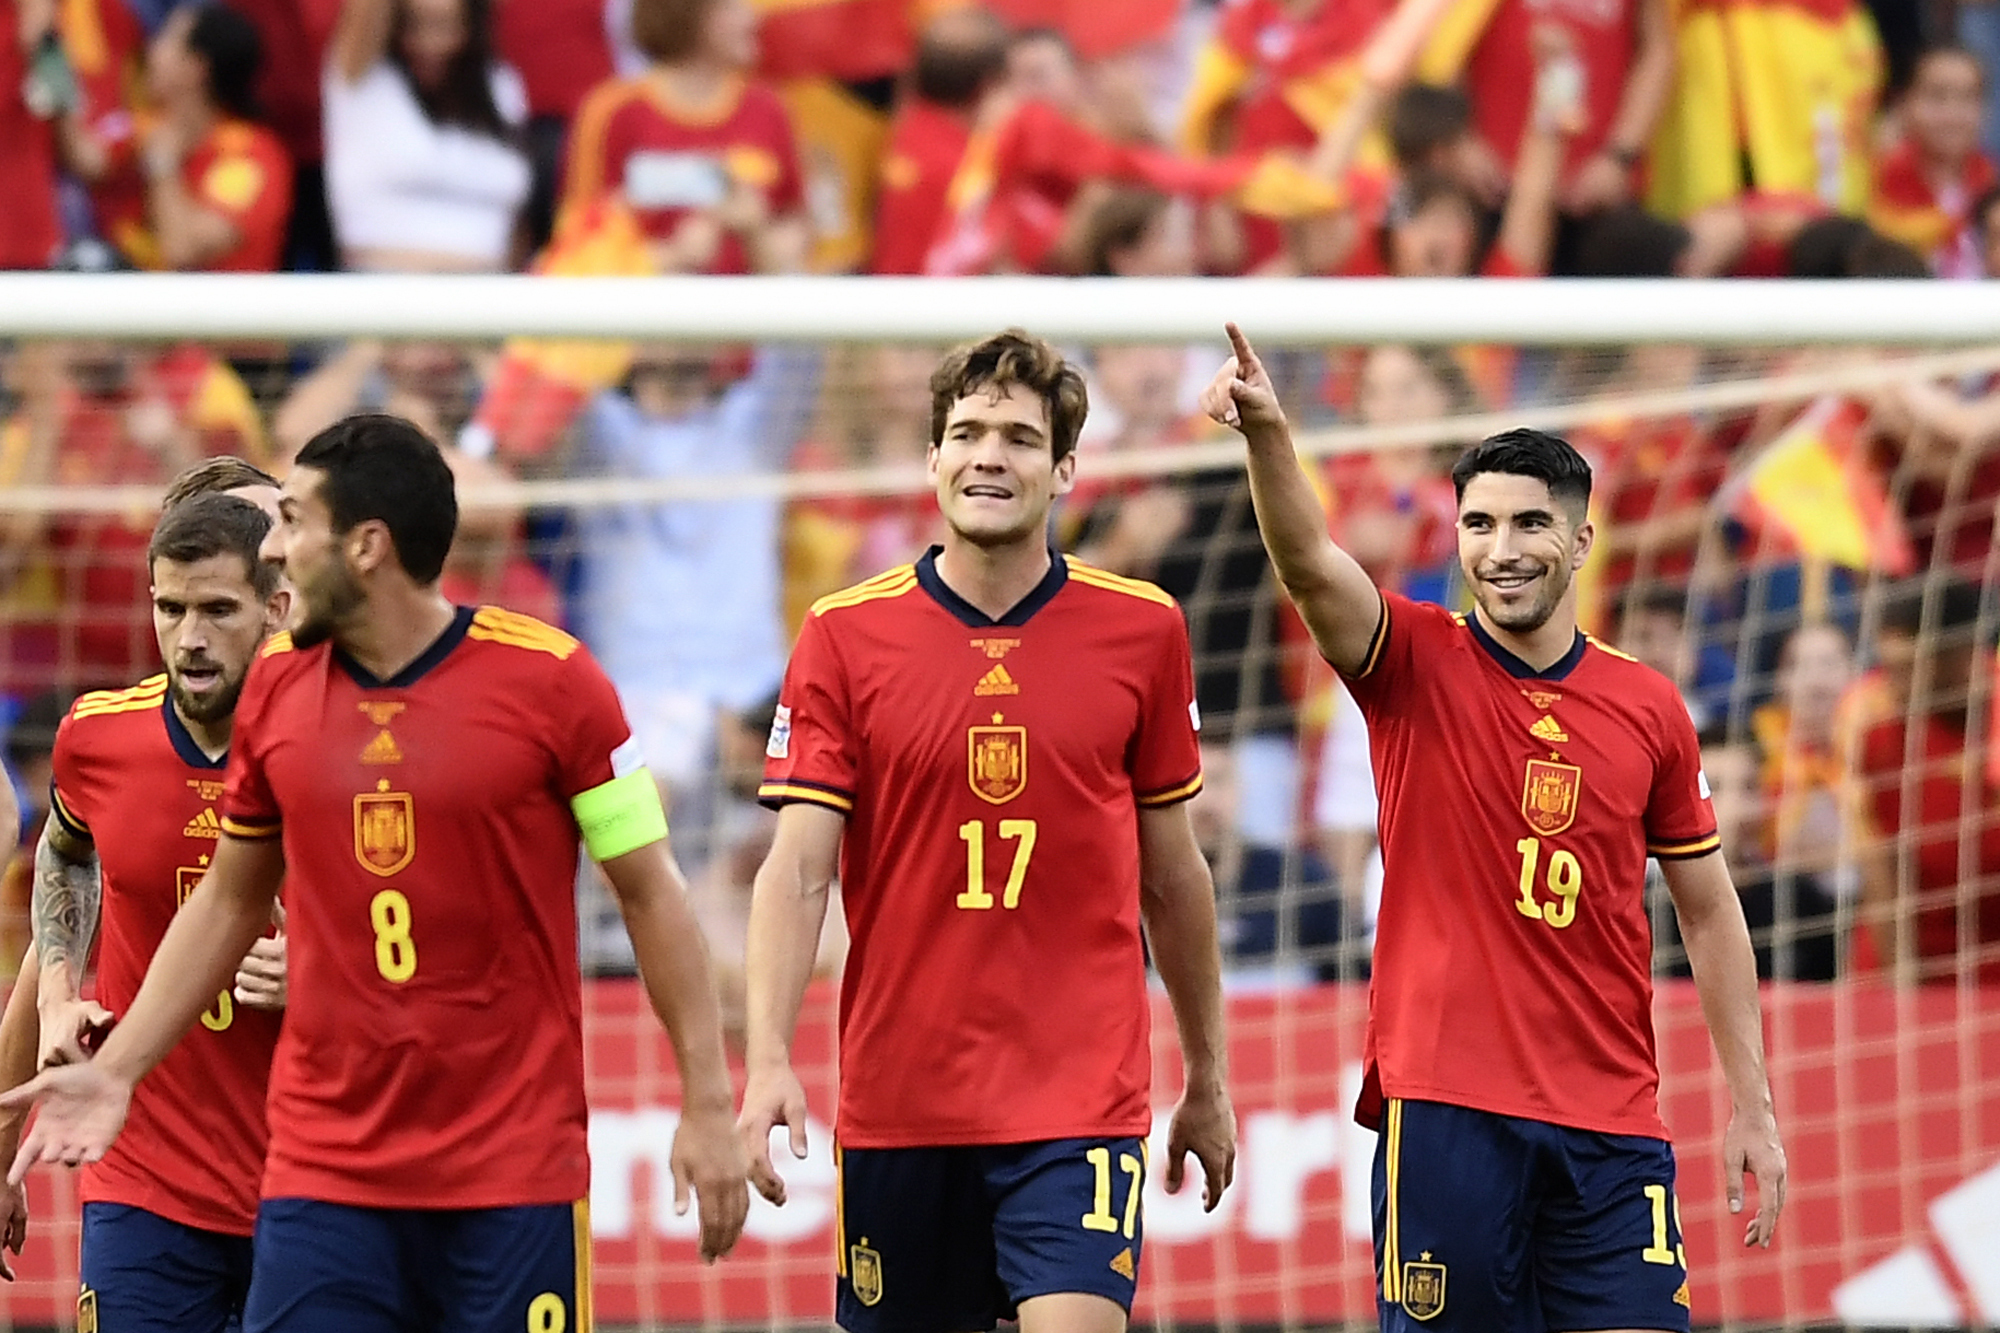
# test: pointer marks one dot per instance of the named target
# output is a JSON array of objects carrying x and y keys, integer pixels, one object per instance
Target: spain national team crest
[
  {"x": 1423, "y": 1289},
  {"x": 1548, "y": 801},
  {"x": 385, "y": 831},
  {"x": 998, "y": 761},
  {"x": 864, "y": 1273}
]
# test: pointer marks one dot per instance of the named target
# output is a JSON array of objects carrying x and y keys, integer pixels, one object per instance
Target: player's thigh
[
  {"x": 506, "y": 1270},
  {"x": 1608, "y": 1251},
  {"x": 1454, "y": 1196},
  {"x": 143, "y": 1272},
  {"x": 913, "y": 1242},
  {"x": 328, "y": 1268},
  {"x": 1068, "y": 1221}
]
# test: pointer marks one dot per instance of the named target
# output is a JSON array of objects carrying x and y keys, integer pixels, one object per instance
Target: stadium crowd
[{"x": 1605, "y": 138}]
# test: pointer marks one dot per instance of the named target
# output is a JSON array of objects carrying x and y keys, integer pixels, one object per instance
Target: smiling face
[
  {"x": 994, "y": 471},
  {"x": 209, "y": 620},
  {"x": 1519, "y": 548}
]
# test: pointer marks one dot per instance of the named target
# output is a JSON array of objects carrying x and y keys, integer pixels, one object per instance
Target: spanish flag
[
  {"x": 1811, "y": 490},
  {"x": 540, "y": 384}
]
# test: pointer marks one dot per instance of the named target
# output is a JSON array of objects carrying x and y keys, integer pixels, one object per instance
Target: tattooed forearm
[{"x": 68, "y": 895}]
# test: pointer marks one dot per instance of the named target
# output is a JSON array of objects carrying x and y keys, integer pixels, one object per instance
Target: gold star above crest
[
  {"x": 203, "y": 860},
  {"x": 999, "y": 718},
  {"x": 381, "y": 784}
]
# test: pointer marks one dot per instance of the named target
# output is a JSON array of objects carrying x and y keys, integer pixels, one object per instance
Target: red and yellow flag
[{"x": 1811, "y": 489}]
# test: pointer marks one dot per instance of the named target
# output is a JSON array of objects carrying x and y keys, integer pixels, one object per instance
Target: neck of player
[
  {"x": 1540, "y": 648},
  {"x": 994, "y": 579},
  {"x": 396, "y": 626}
]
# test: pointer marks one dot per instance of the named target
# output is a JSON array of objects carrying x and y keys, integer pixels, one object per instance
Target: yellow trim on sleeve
[
  {"x": 281, "y": 642},
  {"x": 237, "y": 828},
  {"x": 1187, "y": 789},
  {"x": 892, "y": 584},
  {"x": 1094, "y": 577},
  {"x": 491, "y": 624},
  {"x": 1377, "y": 644},
  {"x": 620, "y": 816},
  {"x": 788, "y": 792},
  {"x": 1678, "y": 849}
]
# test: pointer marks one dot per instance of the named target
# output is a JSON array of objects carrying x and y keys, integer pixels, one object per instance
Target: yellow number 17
[{"x": 973, "y": 834}]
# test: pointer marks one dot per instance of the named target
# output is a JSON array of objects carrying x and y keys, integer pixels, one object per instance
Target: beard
[
  {"x": 212, "y": 708},
  {"x": 321, "y": 608},
  {"x": 1535, "y": 614}
]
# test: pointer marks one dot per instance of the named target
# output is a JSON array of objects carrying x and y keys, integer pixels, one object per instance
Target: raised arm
[
  {"x": 673, "y": 965},
  {"x": 1338, "y": 601},
  {"x": 787, "y": 911},
  {"x": 1177, "y": 903},
  {"x": 67, "y": 901},
  {"x": 361, "y": 37},
  {"x": 1725, "y": 975},
  {"x": 83, "y": 1105}
]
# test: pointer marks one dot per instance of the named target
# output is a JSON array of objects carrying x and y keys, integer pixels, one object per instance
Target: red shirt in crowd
[
  {"x": 240, "y": 171},
  {"x": 130, "y": 780},
  {"x": 432, "y": 1056},
  {"x": 668, "y": 159},
  {"x": 1910, "y": 207},
  {"x": 295, "y": 35},
  {"x": 990, "y": 772},
  {"x": 559, "y": 47},
  {"x": 1645, "y": 469},
  {"x": 1500, "y": 72},
  {"x": 30, "y": 228},
  {"x": 1513, "y": 958},
  {"x": 851, "y": 40},
  {"x": 926, "y": 144}
]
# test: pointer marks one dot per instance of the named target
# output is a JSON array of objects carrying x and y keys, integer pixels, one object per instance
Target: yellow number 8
[
  {"x": 546, "y": 1314},
  {"x": 395, "y": 951}
]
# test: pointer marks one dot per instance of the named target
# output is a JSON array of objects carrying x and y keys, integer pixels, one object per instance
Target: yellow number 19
[
  {"x": 395, "y": 951},
  {"x": 977, "y": 897},
  {"x": 1658, "y": 1252},
  {"x": 1565, "y": 881}
]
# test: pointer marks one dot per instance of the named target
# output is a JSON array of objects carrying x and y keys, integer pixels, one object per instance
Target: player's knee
[{"x": 1072, "y": 1312}]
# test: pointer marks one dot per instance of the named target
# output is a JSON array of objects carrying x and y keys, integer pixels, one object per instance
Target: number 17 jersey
[{"x": 991, "y": 773}]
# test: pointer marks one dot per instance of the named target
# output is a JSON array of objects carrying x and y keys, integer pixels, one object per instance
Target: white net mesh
[{"x": 1802, "y": 539}]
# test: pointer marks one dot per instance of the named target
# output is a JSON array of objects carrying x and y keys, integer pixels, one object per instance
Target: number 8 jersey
[
  {"x": 990, "y": 772},
  {"x": 1513, "y": 954}
]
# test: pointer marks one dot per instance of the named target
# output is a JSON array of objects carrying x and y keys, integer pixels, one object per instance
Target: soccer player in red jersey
[
  {"x": 168, "y": 1212},
  {"x": 992, "y": 747},
  {"x": 1523, "y": 1180},
  {"x": 420, "y": 775}
]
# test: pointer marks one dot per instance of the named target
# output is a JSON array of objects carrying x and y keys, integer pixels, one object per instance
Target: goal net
[{"x": 1794, "y": 505}]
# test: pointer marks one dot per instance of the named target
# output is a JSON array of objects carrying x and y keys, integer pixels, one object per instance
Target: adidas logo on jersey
[
  {"x": 996, "y": 681},
  {"x": 203, "y": 825},
  {"x": 1123, "y": 1266},
  {"x": 1548, "y": 729},
  {"x": 382, "y": 750}
]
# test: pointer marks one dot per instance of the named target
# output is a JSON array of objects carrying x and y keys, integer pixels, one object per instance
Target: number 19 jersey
[
  {"x": 1513, "y": 953},
  {"x": 991, "y": 773}
]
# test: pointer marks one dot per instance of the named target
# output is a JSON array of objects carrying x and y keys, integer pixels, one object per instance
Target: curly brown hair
[{"x": 1011, "y": 357}]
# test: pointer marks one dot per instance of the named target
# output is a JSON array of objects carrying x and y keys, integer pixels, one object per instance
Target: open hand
[
  {"x": 708, "y": 1163},
  {"x": 82, "y": 1110},
  {"x": 771, "y": 1098},
  {"x": 1750, "y": 1147},
  {"x": 1204, "y": 1124}
]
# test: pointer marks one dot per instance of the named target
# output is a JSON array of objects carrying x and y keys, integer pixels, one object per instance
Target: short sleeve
[
  {"x": 810, "y": 755},
  {"x": 69, "y": 803},
  {"x": 591, "y": 736},
  {"x": 1680, "y": 824},
  {"x": 1394, "y": 647},
  {"x": 1166, "y": 754},
  {"x": 249, "y": 809}
]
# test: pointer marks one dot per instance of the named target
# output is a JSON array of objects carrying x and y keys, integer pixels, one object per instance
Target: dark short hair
[
  {"x": 1629, "y": 242},
  {"x": 1982, "y": 210},
  {"x": 1117, "y": 219},
  {"x": 215, "y": 524},
  {"x": 229, "y": 45},
  {"x": 1523, "y": 452},
  {"x": 1878, "y": 256},
  {"x": 463, "y": 95},
  {"x": 32, "y": 735},
  {"x": 381, "y": 468},
  {"x": 668, "y": 31},
  {"x": 1655, "y": 599},
  {"x": 1013, "y": 357},
  {"x": 216, "y": 476},
  {"x": 1425, "y": 117},
  {"x": 1959, "y": 603},
  {"x": 959, "y": 56}
]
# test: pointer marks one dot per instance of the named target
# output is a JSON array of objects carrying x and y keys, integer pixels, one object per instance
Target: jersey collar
[
  {"x": 183, "y": 740},
  {"x": 440, "y": 648},
  {"x": 1517, "y": 668},
  {"x": 931, "y": 582}
]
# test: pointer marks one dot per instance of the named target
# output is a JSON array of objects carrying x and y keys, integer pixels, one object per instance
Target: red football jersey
[
  {"x": 433, "y": 1053},
  {"x": 1500, "y": 72},
  {"x": 632, "y": 137},
  {"x": 129, "y": 777},
  {"x": 990, "y": 772},
  {"x": 926, "y": 144},
  {"x": 1513, "y": 954}
]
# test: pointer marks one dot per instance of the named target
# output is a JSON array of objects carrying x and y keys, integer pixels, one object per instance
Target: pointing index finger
[{"x": 1246, "y": 356}]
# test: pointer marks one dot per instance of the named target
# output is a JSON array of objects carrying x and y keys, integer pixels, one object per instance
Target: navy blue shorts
[
  {"x": 1502, "y": 1225},
  {"x": 332, "y": 1268},
  {"x": 142, "y": 1272},
  {"x": 952, "y": 1240}
]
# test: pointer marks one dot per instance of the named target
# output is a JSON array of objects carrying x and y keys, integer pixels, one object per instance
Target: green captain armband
[{"x": 620, "y": 816}]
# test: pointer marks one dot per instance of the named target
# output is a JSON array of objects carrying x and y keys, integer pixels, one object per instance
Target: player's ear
[
  {"x": 277, "y": 611},
  {"x": 369, "y": 546},
  {"x": 1066, "y": 473},
  {"x": 1586, "y": 537}
]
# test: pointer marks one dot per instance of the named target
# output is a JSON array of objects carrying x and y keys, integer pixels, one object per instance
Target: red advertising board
[{"x": 1890, "y": 1102}]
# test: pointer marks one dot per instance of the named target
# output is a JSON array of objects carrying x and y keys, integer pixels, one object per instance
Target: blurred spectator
[
  {"x": 1344, "y": 813},
  {"x": 561, "y": 49},
  {"x": 98, "y": 413},
  {"x": 433, "y": 385},
  {"x": 875, "y": 413},
  {"x": 1985, "y": 225},
  {"x": 295, "y": 35},
  {"x": 1940, "y": 444},
  {"x": 30, "y": 226},
  {"x": 1130, "y": 231},
  {"x": 425, "y": 172},
  {"x": 1652, "y": 626},
  {"x": 961, "y": 59},
  {"x": 31, "y": 743},
  {"x": 1928, "y": 810},
  {"x": 1628, "y": 242},
  {"x": 1430, "y": 129},
  {"x": 703, "y": 155},
  {"x": 1926, "y": 182},
  {"x": 104, "y": 51},
  {"x": 198, "y": 183},
  {"x": 1979, "y": 29}
]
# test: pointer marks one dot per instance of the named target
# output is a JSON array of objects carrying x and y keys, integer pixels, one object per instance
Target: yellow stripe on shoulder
[
  {"x": 893, "y": 583},
  {"x": 146, "y": 694},
  {"x": 281, "y": 642},
  {"x": 494, "y": 624},
  {"x": 1596, "y": 642},
  {"x": 1094, "y": 577}
]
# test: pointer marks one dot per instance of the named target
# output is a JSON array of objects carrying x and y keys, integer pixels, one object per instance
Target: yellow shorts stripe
[
  {"x": 839, "y": 1215},
  {"x": 586, "y": 1313},
  {"x": 1392, "y": 1248}
]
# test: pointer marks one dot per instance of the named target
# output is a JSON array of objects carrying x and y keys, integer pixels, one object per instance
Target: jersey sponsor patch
[
  {"x": 627, "y": 758},
  {"x": 1701, "y": 782},
  {"x": 1194, "y": 714},
  {"x": 779, "y": 744}
]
